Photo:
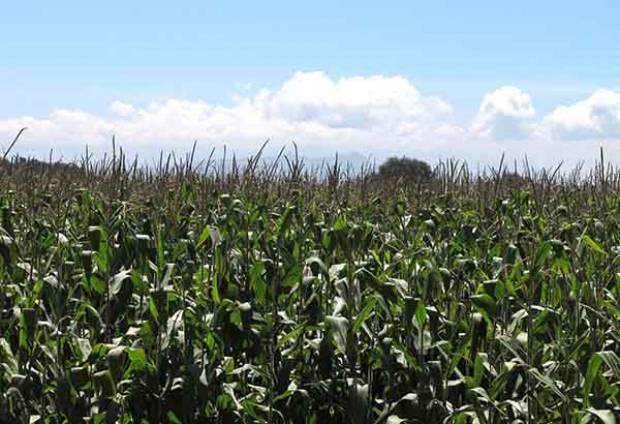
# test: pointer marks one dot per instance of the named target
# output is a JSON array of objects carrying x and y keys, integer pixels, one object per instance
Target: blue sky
[{"x": 75, "y": 56}]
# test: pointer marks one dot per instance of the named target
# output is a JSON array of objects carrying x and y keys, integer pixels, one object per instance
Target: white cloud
[
  {"x": 597, "y": 117},
  {"x": 321, "y": 114},
  {"x": 379, "y": 115},
  {"x": 62, "y": 129},
  {"x": 505, "y": 114},
  {"x": 376, "y": 102},
  {"x": 122, "y": 109}
]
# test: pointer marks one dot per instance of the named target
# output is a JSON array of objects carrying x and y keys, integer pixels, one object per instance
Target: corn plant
[{"x": 273, "y": 292}]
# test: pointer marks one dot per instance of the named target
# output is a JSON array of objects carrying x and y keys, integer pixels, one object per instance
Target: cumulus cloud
[
  {"x": 375, "y": 102},
  {"x": 505, "y": 113},
  {"x": 122, "y": 109},
  {"x": 597, "y": 117},
  {"x": 319, "y": 113},
  {"x": 376, "y": 115}
]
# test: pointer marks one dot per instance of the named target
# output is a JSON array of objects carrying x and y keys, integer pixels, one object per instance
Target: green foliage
[
  {"x": 406, "y": 167},
  {"x": 170, "y": 297}
]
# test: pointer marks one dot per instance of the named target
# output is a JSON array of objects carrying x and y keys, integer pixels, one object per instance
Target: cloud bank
[{"x": 377, "y": 115}]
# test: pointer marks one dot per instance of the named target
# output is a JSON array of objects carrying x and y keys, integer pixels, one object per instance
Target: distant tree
[
  {"x": 406, "y": 167},
  {"x": 513, "y": 178}
]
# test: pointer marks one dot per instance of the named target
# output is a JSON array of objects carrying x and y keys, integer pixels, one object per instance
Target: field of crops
[{"x": 280, "y": 294}]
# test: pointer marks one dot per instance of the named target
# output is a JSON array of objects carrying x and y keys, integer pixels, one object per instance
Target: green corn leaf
[
  {"x": 599, "y": 358},
  {"x": 339, "y": 329}
]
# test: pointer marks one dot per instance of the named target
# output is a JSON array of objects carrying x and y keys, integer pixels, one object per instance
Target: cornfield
[{"x": 269, "y": 291}]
